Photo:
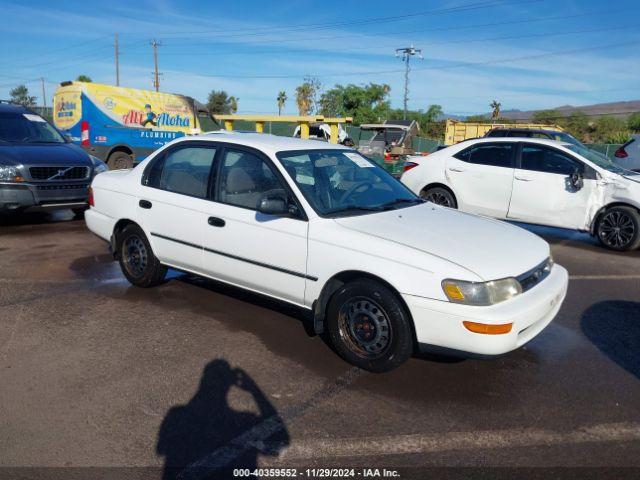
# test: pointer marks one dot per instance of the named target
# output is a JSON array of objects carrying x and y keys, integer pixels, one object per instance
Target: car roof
[
  {"x": 264, "y": 141},
  {"x": 542, "y": 141},
  {"x": 13, "y": 108},
  {"x": 528, "y": 130}
]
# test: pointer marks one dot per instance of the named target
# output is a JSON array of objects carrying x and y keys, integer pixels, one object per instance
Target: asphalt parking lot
[{"x": 95, "y": 372}]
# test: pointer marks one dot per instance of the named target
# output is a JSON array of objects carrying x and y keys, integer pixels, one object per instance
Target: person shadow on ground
[{"x": 207, "y": 439}]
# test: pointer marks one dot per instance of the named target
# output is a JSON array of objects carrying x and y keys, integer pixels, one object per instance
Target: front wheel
[
  {"x": 137, "y": 261},
  {"x": 369, "y": 326},
  {"x": 439, "y": 196},
  {"x": 618, "y": 228}
]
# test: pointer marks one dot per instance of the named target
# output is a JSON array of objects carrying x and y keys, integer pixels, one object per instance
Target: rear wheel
[
  {"x": 137, "y": 261},
  {"x": 439, "y": 196},
  {"x": 618, "y": 229},
  {"x": 120, "y": 161},
  {"x": 369, "y": 326}
]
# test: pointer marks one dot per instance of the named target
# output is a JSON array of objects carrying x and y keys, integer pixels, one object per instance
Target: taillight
[
  {"x": 84, "y": 133},
  {"x": 91, "y": 203},
  {"x": 621, "y": 153},
  {"x": 409, "y": 165}
]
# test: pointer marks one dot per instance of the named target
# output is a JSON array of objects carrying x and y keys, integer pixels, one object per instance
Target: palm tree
[
  {"x": 233, "y": 104},
  {"x": 495, "y": 105},
  {"x": 282, "y": 99}
]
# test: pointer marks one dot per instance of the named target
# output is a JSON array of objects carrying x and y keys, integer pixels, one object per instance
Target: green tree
[
  {"x": 610, "y": 130},
  {"x": 220, "y": 102},
  {"x": 20, "y": 95},
  {"x": 547, "y": 116},
  {"x": 307, "y": 95},
  {"x": 633, "y": 122},
  {"x": 577, "y": 124},
  {"x": 368, "y": 103},
  {"x": 282, "y": 100},
  {"x": 84, "y": 78},
  {"x": 433, "y": 112},
  {"x": 495, "y": 107}
]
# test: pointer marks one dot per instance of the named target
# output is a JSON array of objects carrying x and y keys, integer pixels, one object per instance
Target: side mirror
[
  {"x": 577, "y": 181},
  {"x": 273, "y": 205}
]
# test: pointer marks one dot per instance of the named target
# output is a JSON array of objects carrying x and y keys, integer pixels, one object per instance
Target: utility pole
[
  {"x": 117, "y": 62},
  {"x": 405, "y": 54},
  {"x": 156, "y": 76},
  {"x": 44, "y": 95}
]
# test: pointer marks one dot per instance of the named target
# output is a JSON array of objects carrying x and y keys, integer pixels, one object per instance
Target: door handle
[
  {"x": 145, "y": 204},
  {"x": 522, "y": 179},
  {"x": 456, "y": 169},
  {"x": 216, "y": 222}
]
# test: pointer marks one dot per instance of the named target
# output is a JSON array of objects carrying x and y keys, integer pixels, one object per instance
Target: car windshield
[
  {"x": 343, "y": 182},
  {"x": 599, "y": 159},
  {"x": 27, "y": 128}
]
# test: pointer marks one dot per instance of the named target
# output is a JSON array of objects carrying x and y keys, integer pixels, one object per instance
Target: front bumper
[
  {"x": 438, "y": 323},
  {"x": 43, "y": 195}
]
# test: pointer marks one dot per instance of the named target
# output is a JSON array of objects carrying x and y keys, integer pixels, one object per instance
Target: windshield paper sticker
[
  {"x": 358, "y": 160},
  {"x": 33, "y": 118}
]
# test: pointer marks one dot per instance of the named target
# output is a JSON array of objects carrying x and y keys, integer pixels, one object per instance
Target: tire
[
  {"x": 137, "y": 261},
  {"x": 120, "y": 161},
  {"x": 618, "y": 229},
  {"x": 384, "y": 340},
  {"x": 439, "y": 196}
]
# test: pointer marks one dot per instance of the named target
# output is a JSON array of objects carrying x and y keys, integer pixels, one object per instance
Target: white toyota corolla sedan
[
  {"x": 534, "y": 181},
  {"x": 322, "y": 227}
]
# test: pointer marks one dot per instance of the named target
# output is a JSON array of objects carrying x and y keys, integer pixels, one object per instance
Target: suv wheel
[
  {"x": 137, "y": 261},
  {"x": 618, "y": 228},
  {"x": 120, "y": 161},
  {"x": 369, "y": 326},
  {"x": 439, "y": 196}
]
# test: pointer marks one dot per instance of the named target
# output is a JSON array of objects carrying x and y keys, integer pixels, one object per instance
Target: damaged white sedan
[{"x": 534, "y": 181}]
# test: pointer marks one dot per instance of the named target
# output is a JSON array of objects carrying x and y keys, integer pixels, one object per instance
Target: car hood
[
  {"x": 44, "y": 154},
  {"x": 489, "y": 248}
]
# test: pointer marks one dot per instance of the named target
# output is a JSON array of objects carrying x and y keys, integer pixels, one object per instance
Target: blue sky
[{"x": 527, "y": 54}]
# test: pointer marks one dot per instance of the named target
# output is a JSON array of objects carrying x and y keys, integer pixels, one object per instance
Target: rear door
[
  {"x": 482, "y": 177},
  {"x": 542, "y": 189},
  {"x": 174, "y": 201}
]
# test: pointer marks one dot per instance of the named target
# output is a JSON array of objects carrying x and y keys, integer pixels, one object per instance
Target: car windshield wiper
[
  {"x": 353, "y": 208},
  {"x": 398, "y": 201}
]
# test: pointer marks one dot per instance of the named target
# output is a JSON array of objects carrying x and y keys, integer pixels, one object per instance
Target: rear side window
[
  {"x": 184, "y": 170},
  {"x": 549, "y": 160},
  {"x": 491, "y": 154}
]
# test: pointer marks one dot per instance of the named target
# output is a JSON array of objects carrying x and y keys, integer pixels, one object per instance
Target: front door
[
  {"x": 543, "y": 192},
  {"x": 482, "y": 177},
  {"x": 260, "y": 252}
]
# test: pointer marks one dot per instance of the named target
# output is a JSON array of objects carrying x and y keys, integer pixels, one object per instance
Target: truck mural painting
[{"x": 122, "y": 125}]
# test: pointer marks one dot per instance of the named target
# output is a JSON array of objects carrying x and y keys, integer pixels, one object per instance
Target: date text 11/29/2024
[{"x": 316, "y": 473}]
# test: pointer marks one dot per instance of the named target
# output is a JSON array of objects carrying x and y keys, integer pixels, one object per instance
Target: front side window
[
  {"x": 245, "y": 178},
  {"x": 184, "y": 170},
  {"x": 27, "y": 128},
  {"x": 343, "y": 182},
  {"x": 549, "y": 160},
  {"x": 491, "y": 154}
]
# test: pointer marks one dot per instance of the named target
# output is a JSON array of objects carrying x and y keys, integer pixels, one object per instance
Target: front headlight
[
  {"x": 10, "y": 174},
  {"x": 98, "y": 165},
  {"x": 481, "y": 293}
]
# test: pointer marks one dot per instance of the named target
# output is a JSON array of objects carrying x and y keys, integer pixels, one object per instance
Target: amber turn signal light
[{"x": 488, "y": 329}]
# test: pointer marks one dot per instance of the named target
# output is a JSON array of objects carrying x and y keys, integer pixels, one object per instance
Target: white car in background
[
  {"x": 533, "y": 181},
  {"x": 322, "y": 227},
  {"x": 628, "y": 155}
]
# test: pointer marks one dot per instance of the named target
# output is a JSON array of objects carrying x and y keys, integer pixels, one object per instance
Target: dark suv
[
  {"x": 40, "y": 169},
  {"x": 534, "y": 133}
]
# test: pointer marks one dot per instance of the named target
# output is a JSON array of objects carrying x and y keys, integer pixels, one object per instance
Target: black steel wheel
[
  {"x": 618, "y": 228},
  {"x": 137, "y": 261},
  {"x": 439, "y": 196},
  {"x": 369, "y": 326}
]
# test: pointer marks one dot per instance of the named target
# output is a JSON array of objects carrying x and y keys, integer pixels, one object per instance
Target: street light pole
[{"x": 405, "y": 54}]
